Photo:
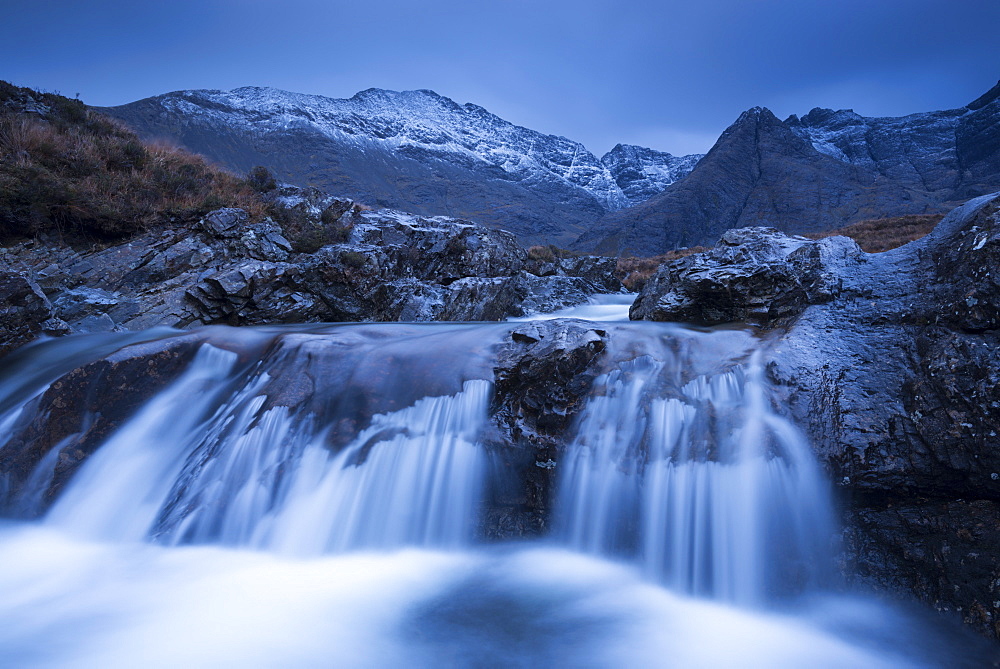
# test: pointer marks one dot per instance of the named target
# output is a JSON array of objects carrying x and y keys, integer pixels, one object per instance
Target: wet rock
[
  {"x": 543, "y": 373},
  {"x": 891, "y": 544},
  {"x": 83, "y": 407},
  {"x": 758, "y": 276},
  {"x": 895, "y": 380},
  {"x": 598, "y": 270},
  {"x": 25, "y": 312}
]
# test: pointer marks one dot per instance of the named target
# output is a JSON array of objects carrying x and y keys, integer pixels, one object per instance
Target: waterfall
[
  {"x": 315, "y": 495},
  {"x": 242, "y": 454},
  {"x": 699, "y": 481}
]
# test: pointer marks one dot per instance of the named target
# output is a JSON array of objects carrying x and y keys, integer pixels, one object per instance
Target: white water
[
  {"x": 713, "y": 493},
  {"x": 612, "y": 307},
  {"x": 334, "y": 501}
]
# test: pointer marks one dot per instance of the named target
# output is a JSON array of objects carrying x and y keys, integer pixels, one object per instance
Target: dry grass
[
  {"x": 72, "y": 172},
  {"x": 883, "y": 234},
  {"x": 635, "y": 272}
]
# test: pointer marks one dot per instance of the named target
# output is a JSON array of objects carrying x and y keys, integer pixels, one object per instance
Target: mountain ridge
[
  {"x": 416, "y": 150},
  {"x": 824, "y": 170}
]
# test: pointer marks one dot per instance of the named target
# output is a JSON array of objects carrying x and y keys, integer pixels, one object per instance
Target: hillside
[{"x": 69, "y": 171}]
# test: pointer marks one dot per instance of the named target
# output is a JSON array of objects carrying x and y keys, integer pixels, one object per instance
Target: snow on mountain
[
  {"x": 410, "y": 122},
  {"x": 924, "y": 150},
  {"x": 641, "y": 173}
]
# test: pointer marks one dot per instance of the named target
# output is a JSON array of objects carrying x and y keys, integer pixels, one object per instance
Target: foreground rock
[
  {"x": 386, "y": 266},
  {"x": 891, "y": 362},
  {"x": 544, "y": 372},
  {"x": 755, "y": 275}
]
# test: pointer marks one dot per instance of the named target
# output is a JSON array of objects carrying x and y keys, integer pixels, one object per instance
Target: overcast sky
[{"x": 669, "y": 75}]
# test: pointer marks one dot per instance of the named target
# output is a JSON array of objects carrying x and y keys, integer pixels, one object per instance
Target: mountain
[
  {"x": 641, "y": 173},
  {"x": 412, "y": 150},
  {"x": 822, "y": 171}
]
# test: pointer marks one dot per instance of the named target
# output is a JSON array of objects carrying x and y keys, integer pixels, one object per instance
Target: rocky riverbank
[{"x": 388, "y": 266}]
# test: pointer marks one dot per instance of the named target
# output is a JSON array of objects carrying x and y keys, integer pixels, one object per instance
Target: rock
[
  {"x": 225, "y": 223},
  {"x": 895, "y": 382},
  {"x": 386, "y": 266},
  {"x": 543, "y": 373},
  {"x": 25, "y": 312},
  {"x": 601, "y": 271},
  {"x": 758, "y": 276},
  {"x": 81, "y": 408}
]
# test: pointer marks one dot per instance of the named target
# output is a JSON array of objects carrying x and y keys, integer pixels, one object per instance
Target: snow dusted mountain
[
  {"x": 943, "y": 152},
  {"x": 822, "y": 171},
  {"x": 641, "y": 173},
  {"x": 413, "y": 150}
]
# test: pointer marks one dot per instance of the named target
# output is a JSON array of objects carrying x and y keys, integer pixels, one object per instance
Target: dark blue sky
[{"x": 666, "y": 74}]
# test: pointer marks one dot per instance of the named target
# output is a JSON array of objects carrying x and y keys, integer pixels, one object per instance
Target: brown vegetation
[
  {"x": 69, "y": 171},
  {"x": 549, "y": 253},
  {"x": 634, "y": 272},
  {"x": 883, "y": 234}
]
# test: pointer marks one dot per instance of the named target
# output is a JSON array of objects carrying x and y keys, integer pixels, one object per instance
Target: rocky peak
[{"x": 641, "y": 173}]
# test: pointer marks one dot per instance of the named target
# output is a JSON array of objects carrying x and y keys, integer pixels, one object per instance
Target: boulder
[
  {"x": 758, "y": 276},
  {"x": 895, "y": 380}
]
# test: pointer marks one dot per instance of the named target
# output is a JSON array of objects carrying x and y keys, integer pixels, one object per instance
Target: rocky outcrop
[
  {"x": 543, "y": 371},
  {"x": 893, "y": 371},
  {"x": 757, "y": 276},
  {"x": 822, "y": 171},
  {"x": 388, "y": 266}
]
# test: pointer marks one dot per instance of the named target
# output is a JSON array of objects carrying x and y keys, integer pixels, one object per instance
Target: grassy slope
[{"x": 70, "y": 172}]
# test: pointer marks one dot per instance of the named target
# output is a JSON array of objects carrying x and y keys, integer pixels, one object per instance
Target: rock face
[
  {"x": 413, "y": 150},
  {"x": 895, "y": 376},
  {"x": 391, "y": 266},
  {"x": 819, "y": 172}
]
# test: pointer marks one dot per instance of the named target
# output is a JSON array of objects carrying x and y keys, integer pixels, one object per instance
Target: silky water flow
[{"x": 314, "y": 496}]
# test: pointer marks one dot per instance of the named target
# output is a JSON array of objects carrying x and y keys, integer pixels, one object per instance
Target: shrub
[
  {"x": 308, "y": 235},
  {"x": 353, "y": 259},
  {"x": 541, "y": 253},
  {"x": 261, "y": 179}
]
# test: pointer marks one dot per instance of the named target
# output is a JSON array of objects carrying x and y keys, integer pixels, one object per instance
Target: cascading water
[
  {"x": 698, "y": 479},
  {"x": 355, "y": 461}
]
